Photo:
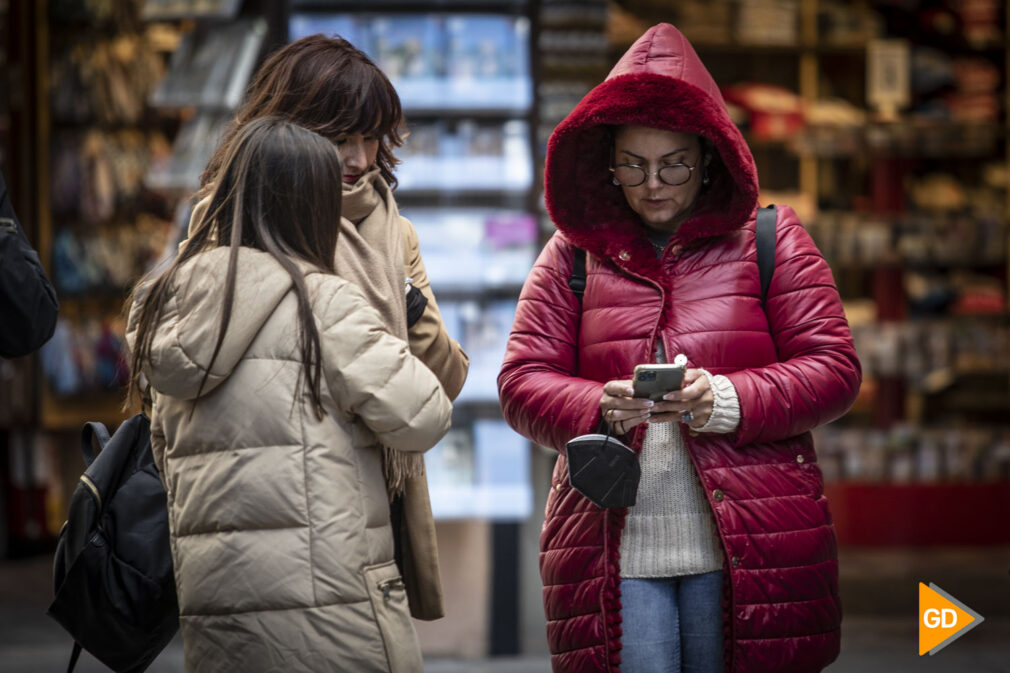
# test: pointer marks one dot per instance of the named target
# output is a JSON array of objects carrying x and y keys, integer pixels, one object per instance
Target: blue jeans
[{"x": 672, "y": 624}]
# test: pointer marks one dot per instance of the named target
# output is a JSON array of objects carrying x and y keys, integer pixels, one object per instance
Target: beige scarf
[{"x": 370, "y": 254}]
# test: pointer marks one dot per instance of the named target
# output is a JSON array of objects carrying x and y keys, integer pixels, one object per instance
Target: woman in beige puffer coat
[{"x": 274, "y": 386}]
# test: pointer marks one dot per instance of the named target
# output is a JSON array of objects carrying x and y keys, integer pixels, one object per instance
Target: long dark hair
[
  {"x": 328, "y": 86},
  {"x": 276, "y": 193}
]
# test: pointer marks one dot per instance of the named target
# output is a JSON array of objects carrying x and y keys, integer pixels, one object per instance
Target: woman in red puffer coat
[{"x": 727, "y": 560}]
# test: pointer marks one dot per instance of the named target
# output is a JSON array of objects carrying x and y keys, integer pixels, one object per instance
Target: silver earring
[
  {"x": 705, "y": 180},
  {"x": 617, "y": 183}
]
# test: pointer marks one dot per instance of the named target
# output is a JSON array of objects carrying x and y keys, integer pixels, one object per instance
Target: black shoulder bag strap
[
  {"x": 766, "y": 219},
  {"x": 74, "y": 656},
  {"x": 577, "y": 281}
]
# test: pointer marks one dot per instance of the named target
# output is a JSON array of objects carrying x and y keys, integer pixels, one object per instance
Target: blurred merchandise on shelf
[
  {"x": 192, "y": 148},
  {"x": 572, "y": 48},
  {"x": 411, "y": 50},
  {"x": 105, "y": 223},
  {"x": 980, "y": 21},
  {"x": 211, "y": 66},
  {"x": 162, "y": 10},
  {"x": 931, "y": 71},
  {"x": 350, "y": 27},
  {"x": 117, "y": 14},
  {"x": 711, "y": 22},
  {"x": 108, "y": 259},
  {"x": 909, "y": 138},
  {"x": 833, "y": 112},
  {"x": 768, "y": 22},
  {"x": 951, "y": 25},
  {"x": 475, "y": 249},
  {"x": 16, "y": 392},
  {"x": 483, "y": 328},
  {"x": 848, "y": 238},
  {"x": 87, "y": 356},
  {"x": 26, "y": 499},
  {"x": 556, "y": 98},
  {"x": 572, "y": 42},
  {"x": 100, "y": 174},
  {"x": 562, "y": 49},
  {"x": 105, "y": 82},
  {"x": 906, "y": 453},
  {"x": 466, "y": 155},
  {"x": 439, "y": 61},
  {"x": 772, "y": 112},
  {"x": 931, "y": 354},
  {"x": 801, "y": 202},
  {"x": 480, "y": 471},
  {"x": 845, "y": 24},
  {"x": 955, "y": 88}
]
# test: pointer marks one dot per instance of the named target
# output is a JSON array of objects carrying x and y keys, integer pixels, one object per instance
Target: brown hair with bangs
[{"x": 328, "y": 86}]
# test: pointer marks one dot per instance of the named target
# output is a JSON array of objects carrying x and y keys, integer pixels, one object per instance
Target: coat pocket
[{"x": 392, "y": 614}]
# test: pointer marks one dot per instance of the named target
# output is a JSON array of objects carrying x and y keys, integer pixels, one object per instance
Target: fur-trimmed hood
[{"x": 660, "y": 82}]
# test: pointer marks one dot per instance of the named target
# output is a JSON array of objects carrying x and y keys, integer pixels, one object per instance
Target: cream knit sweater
[{"x": 670, "y": 531}]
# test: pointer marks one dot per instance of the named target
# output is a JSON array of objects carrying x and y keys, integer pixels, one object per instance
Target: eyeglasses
[{"x": 631, "y": 175}]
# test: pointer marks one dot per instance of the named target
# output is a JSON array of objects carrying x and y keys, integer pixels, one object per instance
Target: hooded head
[{"x": 659, "y": 83}]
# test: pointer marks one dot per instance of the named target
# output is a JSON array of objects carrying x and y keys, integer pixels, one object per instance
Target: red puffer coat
[{"x": 792, "y": 363}]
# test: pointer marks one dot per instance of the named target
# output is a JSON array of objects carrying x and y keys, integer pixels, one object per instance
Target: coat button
[
  {"x": 735, "y": 561},
  {"x": 557, "y": 486},
  {"x": 624, "y": 255},
  {"x": 800, "y": 458},
  {"x": 718, "y": 495}
]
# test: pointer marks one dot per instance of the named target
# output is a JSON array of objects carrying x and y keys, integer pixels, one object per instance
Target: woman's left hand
[{"x": 692, "y": 404}]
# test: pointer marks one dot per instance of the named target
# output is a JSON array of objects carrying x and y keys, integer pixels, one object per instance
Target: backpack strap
[
  {"x": 73, "y": 657},
  {"x": 577, "y": 281},
  {"x": 98, "y": 431},
  {"x": 766, "y": 220}
]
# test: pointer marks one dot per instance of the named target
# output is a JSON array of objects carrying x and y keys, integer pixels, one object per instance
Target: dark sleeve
[{"x": 28, "y": 304}]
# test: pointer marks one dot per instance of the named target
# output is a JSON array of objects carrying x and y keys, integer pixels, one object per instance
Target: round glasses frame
[{"x": 671, "y": 171}]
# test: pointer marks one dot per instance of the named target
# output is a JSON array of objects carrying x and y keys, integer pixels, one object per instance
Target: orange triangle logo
[{"x": 942, "y": 619}]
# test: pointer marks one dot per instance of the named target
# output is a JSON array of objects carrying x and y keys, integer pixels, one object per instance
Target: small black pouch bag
[{"x": 603, "y": 469}]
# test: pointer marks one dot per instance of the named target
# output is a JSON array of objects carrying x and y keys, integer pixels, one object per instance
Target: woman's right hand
[{"x": 620, "y": 409}]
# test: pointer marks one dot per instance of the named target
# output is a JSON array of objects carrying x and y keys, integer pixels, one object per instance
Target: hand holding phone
[{"x": 653, "y": 381}]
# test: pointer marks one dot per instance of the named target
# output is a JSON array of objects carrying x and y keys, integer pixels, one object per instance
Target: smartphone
[{"x": 655, "y": 380}]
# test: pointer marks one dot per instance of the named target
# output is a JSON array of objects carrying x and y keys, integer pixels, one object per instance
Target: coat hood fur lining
[{"x": 593, "y": 213}]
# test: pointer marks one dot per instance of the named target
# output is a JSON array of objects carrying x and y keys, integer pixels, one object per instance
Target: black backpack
[
  {"x": 765, "y": 235},
  {"x": 115, "y": 589}
]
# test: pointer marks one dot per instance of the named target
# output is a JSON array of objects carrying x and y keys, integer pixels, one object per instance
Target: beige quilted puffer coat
[{"x": 280, "y": 521}]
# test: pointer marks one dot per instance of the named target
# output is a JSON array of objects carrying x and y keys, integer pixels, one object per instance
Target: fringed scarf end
[{"x": 398, "y": 467}]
